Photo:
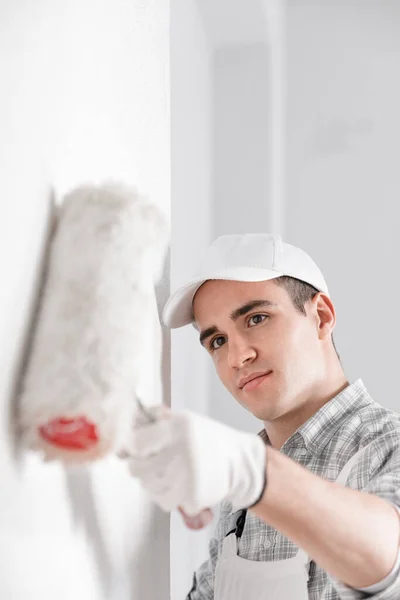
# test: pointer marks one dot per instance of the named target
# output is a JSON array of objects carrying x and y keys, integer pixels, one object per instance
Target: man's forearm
[{"x": 352, "y": 535}]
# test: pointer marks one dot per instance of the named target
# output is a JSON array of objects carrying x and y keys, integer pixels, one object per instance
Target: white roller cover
[{"x": 97, "y": 328}]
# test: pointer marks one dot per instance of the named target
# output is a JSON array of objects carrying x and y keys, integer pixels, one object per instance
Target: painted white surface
[{"x": 85, "y": 97}]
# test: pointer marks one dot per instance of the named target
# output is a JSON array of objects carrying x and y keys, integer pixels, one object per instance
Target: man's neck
[{"x": 284, "y": 427}]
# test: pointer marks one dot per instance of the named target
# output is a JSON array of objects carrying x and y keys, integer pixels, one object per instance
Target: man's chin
[
  {"x": 264, "y": 410},
  {"x": 267, "y": 408}
]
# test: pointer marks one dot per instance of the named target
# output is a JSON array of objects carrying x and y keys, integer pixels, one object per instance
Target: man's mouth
[{"x": 251, "y": 382}]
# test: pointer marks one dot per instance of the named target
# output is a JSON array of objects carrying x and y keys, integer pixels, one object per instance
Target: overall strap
[{"x": 238, "y": 520}]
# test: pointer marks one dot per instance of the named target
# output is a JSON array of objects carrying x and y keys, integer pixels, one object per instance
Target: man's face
[{"x": 255, "y": 334}]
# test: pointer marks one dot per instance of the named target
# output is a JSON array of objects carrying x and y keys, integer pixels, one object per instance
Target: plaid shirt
[{"x": 324, "y": 444}]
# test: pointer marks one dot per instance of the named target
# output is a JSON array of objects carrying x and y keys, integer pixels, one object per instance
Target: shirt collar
[{"x": 319, "y": 429}]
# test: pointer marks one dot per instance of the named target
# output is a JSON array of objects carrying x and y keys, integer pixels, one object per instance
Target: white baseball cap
[{"x": 248, "y": 257}]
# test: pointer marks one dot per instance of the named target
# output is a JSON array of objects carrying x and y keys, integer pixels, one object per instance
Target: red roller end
[{"x": 70, "y": 434}]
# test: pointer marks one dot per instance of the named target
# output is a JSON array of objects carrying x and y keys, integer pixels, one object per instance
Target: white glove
[{"x": 189, "y": 461}]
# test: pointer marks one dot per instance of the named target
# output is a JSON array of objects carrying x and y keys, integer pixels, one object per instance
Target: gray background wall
[{"x": 304, "y": 129}]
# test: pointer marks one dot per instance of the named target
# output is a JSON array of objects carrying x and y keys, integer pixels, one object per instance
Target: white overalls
[{"x": 239, "y": 579}]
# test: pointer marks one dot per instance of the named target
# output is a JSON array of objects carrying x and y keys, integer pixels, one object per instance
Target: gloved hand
[{"x": 186, "y": 460}]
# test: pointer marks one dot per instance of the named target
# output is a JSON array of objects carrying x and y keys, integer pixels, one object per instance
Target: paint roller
[{"x": 94, "y": 322}]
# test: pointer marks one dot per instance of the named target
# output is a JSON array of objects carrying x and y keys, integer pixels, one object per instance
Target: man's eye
[
  {"x": 217, "y": 342},
  {"x": 256, "y": 319}
]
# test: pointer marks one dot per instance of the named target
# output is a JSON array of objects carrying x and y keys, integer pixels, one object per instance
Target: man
[{"x": 264, "y": 314}]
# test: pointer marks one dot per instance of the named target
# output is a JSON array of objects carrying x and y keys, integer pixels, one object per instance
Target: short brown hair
[{"x": 300, "y": 292}]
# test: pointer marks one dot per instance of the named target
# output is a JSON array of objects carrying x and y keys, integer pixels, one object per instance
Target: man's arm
[
  {"x": 195, "y": 462},
  {"x": 352, "y": 535}
]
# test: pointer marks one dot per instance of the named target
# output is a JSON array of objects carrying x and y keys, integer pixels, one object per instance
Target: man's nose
[{"x": 240, "y": 352}]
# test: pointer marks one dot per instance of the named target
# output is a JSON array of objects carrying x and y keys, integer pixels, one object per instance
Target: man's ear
[{"x": 325, "y": 313}]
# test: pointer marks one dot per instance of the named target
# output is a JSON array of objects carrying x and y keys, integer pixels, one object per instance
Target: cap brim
[{"x": 178, "y": 310}]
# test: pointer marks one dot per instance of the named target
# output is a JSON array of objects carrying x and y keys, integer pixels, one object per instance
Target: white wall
[
  {"x": 85, "y": 96},
  {"x": 191, "y": 157},
  {"x": 343, "y": 182}
]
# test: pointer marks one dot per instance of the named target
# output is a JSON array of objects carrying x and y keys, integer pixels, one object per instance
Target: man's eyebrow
[
  {"x": 242, "y": 310},
  {"x": 206, "y": 333},
  {"x": 238, "y": 312}
]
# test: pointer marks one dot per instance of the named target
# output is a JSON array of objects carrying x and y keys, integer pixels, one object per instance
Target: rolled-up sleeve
[
  {"x": 203, "y": 579},
  {"x": 389, "y": 593},
  {"x": 381, "y": 462}
]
